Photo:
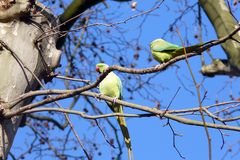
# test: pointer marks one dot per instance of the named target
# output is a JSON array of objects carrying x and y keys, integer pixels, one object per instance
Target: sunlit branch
[{"x": 128, "y": 104}]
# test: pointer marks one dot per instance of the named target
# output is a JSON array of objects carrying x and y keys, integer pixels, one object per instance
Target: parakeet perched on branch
[
  {"x": 111, "y": 86},
  {"x": 164, "y": 51}
]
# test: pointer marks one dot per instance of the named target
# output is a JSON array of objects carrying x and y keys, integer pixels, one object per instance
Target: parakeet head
[
  {"x": 157, "y": 43},
  {"x": 101, "y": 67}
]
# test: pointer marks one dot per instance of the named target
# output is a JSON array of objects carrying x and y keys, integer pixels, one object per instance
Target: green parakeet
[
  {"x": 111, "y": 86},
  {"x": 164, "y": 51}
]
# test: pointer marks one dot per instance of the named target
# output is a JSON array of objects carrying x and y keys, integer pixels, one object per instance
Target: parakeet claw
[
  {"x": 114, "y": 100},
  {"x": 156, "y": 67},
  {"x": 98, "y": 97}
]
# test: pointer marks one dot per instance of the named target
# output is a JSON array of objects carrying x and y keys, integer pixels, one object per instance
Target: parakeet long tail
[
  {"x": 189, "y": 49},
  {"x": 123, "y": 126},
  {"x": 122, "y": 123}
]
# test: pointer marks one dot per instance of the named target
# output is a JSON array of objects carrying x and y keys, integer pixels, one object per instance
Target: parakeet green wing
[
  {"x": 160, "y": 45},
  {"x": 164, "y": 51}
]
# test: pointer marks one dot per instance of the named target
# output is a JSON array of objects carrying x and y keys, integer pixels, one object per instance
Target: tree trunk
[
  {"x": 27, "y": 54},
  {"x": 223, "y": 23}
]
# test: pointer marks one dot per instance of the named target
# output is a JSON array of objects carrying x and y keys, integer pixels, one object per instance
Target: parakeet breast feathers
[{"x": 110, "y": 86}]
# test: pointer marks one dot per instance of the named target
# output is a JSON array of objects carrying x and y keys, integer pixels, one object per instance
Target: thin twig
[
  {"x": 174, "y": 139},
  {"x": 197, "y": 86},
  {"x": 104, "y": 135},
  {"x": 73, "y": 79}
]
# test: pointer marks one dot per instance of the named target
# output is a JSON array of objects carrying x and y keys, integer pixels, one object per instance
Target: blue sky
[{"x": 150, "y": 140}]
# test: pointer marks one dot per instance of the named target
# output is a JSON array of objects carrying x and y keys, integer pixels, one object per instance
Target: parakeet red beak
[{"x": 97, "y": 69}]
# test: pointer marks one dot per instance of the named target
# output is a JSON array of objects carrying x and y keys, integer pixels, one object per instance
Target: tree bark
[
  {"x": 223, "y": 23},
  {"x": 27, "y": 54}
]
